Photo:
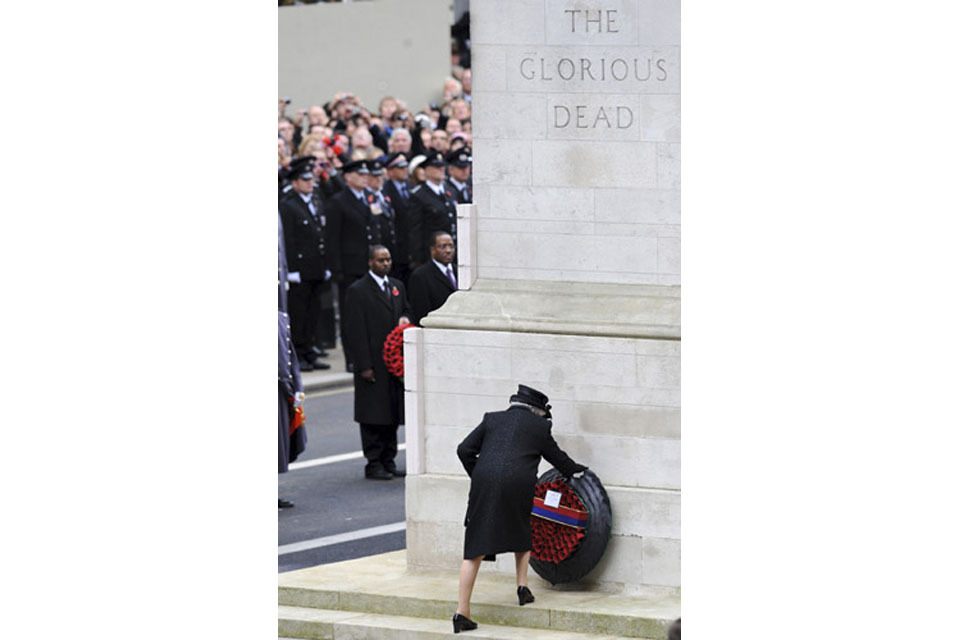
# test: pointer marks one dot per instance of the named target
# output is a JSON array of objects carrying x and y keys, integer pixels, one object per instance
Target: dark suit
[
  {"x": 305, "y": 244},
  {"x": 386, "y": 219},
  {"x": 351, "y": 229},
  {"x": 428, "y": 213},
  {"x": 377, "y": 406},
  {"x": 461, "y": 196},
  {"x": 401, "y": 223},
  {"x": 429, "y": 289}
]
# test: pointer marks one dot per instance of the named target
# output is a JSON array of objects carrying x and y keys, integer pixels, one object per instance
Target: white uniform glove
[
  {"x": 293, "y": 276},
  {"x": 298, "y": 399}
]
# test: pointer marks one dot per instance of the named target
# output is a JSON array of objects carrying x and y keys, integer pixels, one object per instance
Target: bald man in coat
[
  {"x": 433, "y": 282},
  {"x": 375, "y": 304}
]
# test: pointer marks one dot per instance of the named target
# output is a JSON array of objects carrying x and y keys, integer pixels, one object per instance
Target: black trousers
[
  {"x": 305, "y": 302},
  {"x": 379, "y": 444}
]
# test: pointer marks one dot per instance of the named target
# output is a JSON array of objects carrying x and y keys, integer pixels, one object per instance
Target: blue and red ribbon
[{"x": 561, "y": 515}]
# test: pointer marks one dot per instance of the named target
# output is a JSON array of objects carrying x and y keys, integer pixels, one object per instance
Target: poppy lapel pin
[
  {"x": 396, "y": 292},
  {"x": 369, "y": 198}
]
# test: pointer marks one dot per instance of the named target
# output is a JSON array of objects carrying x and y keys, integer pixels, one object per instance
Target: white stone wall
[
  {"x": 616, "y": 409},
  {"x": 576, "y": 139}
]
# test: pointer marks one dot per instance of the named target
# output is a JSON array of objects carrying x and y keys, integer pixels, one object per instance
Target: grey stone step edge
[
  {"x": 300, "y": 622},
  {"x": 534, "y": 616}
]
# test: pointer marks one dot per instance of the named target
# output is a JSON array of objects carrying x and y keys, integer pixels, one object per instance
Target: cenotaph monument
[{"x": 569, "y": 274}]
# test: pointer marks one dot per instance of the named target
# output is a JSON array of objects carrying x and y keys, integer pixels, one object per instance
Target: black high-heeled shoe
[
  {"x": 524, "y": 596},
  {"x": 463, "y": 623}
]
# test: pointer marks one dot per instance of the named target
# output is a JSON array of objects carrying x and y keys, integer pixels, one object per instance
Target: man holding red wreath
[{"x": 375, "y": 304}]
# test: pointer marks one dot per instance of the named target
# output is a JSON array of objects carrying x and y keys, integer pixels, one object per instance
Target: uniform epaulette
[{"x": 416, "y": 188}]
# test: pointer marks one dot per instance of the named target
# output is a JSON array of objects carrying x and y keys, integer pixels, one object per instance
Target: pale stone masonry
[{"x": 570, "y": 271}]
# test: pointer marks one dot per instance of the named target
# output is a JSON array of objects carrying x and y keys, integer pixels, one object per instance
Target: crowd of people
[{"x": 368, "y": 230}]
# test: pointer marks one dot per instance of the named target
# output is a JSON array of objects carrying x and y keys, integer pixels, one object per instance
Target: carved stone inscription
[
  {"x": 600, "y": 72},
  {"x": 594, "y": 117}
]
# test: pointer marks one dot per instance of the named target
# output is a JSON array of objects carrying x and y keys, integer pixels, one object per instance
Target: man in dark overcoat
[
  {"x": 501, "y": 457},
  {"x": 376, "y": 303},
  {"x": 302, "y": 215},
  {"x": 432, "y": 208},
  {"x": 289, "y": 397},
  {"x": 432, "y": 283},
  {"x": 351, "y": 229}
]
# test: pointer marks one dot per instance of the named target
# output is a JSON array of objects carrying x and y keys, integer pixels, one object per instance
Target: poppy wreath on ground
[
  {"x": 569, "y": 540},
  {"x": 393, "y": 350}
]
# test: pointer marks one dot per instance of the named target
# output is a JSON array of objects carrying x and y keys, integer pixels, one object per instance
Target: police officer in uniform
[
  {"x": 381, "y": 205},
  {"x": 352, "y": 229},
  {"x": 302, "y": 215},
  {"x": 432, "y": 208},
  {"x": 397, "y": 191},
  {"x": 458, "y": 182},
  {"x": 289, "y": 397}
]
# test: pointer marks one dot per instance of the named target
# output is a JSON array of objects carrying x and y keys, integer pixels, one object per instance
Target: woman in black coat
[{"x": 501, "y": 457}]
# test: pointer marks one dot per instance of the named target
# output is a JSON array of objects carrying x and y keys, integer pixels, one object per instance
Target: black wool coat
[
  {"x": 350, "y": 232},
  {"x": 385, "y": 220},
  {"x": 369, "y": 318},
  {"x": 401, "y": 222},
  {"x": 304, "y": 236},
  {"x": 464, "y": 196},
  {"x": 429, "y": 289},
  {"x": 428, "y": 213},
  {"x": 501, "y": 457}
]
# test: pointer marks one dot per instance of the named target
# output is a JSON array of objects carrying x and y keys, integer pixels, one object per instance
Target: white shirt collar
[
  {"x": 381, "y": 282},
  {"x": 437, "y": 188},
  {"x": 306, "y": 197},
  {"x": 441, "y": 266},
  {"x": 357, "y": 194},
  {"x": 458, "y": 184}
]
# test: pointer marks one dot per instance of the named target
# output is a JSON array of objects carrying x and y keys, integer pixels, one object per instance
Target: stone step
[
  {"x": 301, "y": 622},
  {"x": 382, "y": 585}
]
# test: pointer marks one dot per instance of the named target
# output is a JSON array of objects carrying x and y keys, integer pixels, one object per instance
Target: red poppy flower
[{"x": 395, "y": 292}]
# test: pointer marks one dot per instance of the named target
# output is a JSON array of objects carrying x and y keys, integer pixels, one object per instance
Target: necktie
[
  {"x": 450, "y": 277},
  {"x": 386, "y": 291},
  {"x": 403, "y": 190}
]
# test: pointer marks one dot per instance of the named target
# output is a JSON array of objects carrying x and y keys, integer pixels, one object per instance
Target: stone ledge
[
  {"x": 296, "y": 622},
  {"x": 382, "y": 586},
  {"x": 565, "y": 308}
]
